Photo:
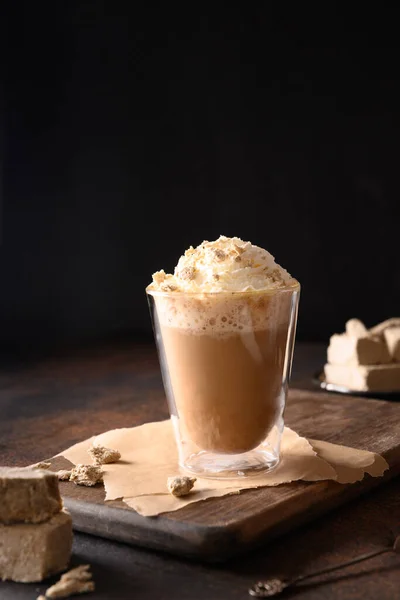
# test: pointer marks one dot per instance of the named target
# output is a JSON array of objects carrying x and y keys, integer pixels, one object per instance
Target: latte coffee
[{"x": 225, "y": 353}]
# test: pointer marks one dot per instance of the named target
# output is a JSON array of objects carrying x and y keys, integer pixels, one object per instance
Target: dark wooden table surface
[{"x": 48, "y": 404}]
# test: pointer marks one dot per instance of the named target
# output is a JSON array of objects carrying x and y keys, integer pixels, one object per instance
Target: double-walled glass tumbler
[{"x": 225, "y": 360}]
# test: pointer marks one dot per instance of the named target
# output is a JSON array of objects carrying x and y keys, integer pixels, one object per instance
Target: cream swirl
[{"x": 225, "y": 265}]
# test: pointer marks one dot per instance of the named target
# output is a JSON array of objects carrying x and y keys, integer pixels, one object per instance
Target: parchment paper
[{"x": 149, "y": 457}]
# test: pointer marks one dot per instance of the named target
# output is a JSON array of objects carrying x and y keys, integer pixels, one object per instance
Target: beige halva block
[
  {"x": 31, "y": 552},
  {"x": 365, "y": 377},
  {"x": 28, "y": 495},
  {"x": 348, "y": 350},
  {"x": 392, "y": 338},
  {"x": 356, "y": 328},
  {"x": 381, "y": 327},
  {"x": 357, "y": 346}
]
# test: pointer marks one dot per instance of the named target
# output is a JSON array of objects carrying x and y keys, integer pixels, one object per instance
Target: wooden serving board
[{"x": 218, "y": 528}]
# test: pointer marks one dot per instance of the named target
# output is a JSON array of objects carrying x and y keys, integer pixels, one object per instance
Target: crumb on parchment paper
[
  {"x": 180, "y": 486},
  {"x": 102, "y": 455},
  {"x": 87, "y": 475}
]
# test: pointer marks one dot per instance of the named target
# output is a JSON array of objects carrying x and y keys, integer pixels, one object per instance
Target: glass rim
[{"x": 292, "y": 287}]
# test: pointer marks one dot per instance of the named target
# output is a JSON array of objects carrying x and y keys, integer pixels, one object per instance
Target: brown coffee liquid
[{"x": 227, "y": 388}]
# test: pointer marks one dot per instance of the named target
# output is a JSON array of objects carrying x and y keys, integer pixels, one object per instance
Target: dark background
[{"x": 130, "y": 135}]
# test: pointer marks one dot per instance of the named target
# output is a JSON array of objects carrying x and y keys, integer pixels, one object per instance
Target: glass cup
[{"x": 225, "y": 360}]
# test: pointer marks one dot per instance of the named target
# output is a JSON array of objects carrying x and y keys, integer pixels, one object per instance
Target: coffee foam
[{"x": 222, "y": 314}]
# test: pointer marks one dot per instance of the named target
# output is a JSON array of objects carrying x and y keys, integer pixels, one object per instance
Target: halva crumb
[
  {"x": 187, "y": 273},
  {"x": 87, "y": 475},
  {"x": 180, "y": 486},
  {"x": 169, "y": 287},
  {"x": 219, "y": 254},
  {"x": 41, "y": 465},
  {"x": 76, "y": 581},
  {"x": 63, "y": 475},
  {"x": 159, "y": 276},
  {"x": 102, "y": 455},
  {"x": 239, "y": 249}
]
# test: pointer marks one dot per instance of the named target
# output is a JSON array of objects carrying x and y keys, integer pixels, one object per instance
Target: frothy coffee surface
[
  {"x": 222, "y": 287},
  {"x": 222, "y": 314},
  {"x": 225, "y": 265}
]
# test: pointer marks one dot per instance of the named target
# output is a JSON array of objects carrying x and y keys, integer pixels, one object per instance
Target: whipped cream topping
[{"x": 225, "y": 265}]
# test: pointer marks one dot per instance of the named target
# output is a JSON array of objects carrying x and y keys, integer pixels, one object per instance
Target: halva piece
[
  {"x": 364, "y": 377},
  {"x": 28, "y": 495},
  {"x": 32, "y": 552},
  {"x": 356, "y": 328},
  {"x": 381, "y": 327},
  {"x": 357, "y": 346},
  {"x": 392, "y": 338},
  {"x": 346, "y": 350}
]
